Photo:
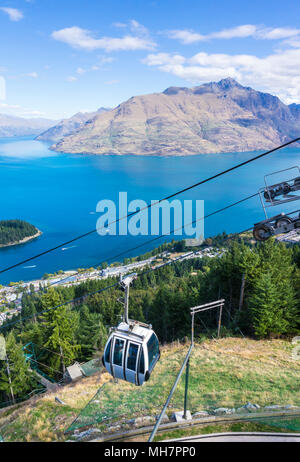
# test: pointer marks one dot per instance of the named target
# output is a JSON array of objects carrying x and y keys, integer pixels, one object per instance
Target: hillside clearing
[{"x": 223, "y": 373}]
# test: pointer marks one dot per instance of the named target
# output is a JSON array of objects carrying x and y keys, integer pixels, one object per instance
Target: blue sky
[{"x": 59, "y": 57}]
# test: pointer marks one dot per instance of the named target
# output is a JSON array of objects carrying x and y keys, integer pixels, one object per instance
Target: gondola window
[
  {"x": 153, "y": 349},
  {"x": 118, "y": 352},
  {"x": 132, "y": 356}
]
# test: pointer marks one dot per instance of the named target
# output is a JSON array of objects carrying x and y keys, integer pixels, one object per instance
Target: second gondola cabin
[{"x": 131, "y": 352}]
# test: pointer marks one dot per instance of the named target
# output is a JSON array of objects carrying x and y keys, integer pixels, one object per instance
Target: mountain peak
[
  {"x": 104, "y": 109},
  {"x": 224, "y": 84},
  {"x": 229, "y": 82}
]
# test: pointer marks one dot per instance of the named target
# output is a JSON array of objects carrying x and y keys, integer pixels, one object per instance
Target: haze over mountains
[
  {"x": 211, "y": 118},
  {"x": 18, "y": 126}
]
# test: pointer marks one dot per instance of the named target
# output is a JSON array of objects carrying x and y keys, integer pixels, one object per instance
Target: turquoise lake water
[{"x": 58, "y": 193}]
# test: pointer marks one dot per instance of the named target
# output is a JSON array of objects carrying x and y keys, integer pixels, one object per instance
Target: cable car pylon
[
  {"x": 277, "y": 194},
  {"x": 186, "y": 363}
]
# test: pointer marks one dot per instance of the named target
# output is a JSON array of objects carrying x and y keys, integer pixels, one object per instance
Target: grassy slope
[{"x": 227, "y": 372}]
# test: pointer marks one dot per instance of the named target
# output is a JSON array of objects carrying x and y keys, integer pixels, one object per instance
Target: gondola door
[
  {"x": 118, "y": 357},
  {"x": 133, "y": 350}
]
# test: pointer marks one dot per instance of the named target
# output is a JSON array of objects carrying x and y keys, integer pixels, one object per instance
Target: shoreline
[
  {"x": 52, "y": 148},
  {"x": 23, "y": 241}
]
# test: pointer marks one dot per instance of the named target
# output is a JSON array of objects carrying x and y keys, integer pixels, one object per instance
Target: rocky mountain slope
[
  {"x": 19, "y": 126},
  {"x": 68, "y": 126},
  {"x": 211, "y": 118}
]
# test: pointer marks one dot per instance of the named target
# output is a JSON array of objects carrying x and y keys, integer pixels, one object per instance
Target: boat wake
[{"x": 67, "y": 248}]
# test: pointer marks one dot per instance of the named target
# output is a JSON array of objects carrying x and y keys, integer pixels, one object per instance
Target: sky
[{"x": 59, "y": 57}]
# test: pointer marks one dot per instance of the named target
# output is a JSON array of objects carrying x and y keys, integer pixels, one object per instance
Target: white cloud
[
  {"x": 186, "y": 36},
  {"x": 106, "y": 59},
  {"x": 13, "y": 13},
  {"x": 246, "y": 30},
  {"x": 82, "y": 38},
  {"x": 243, "y": 31},
  {"x": 295, "y": 43},
  {"x": 135, "y": 27},
  {"x": 19, "y": 111},
  {"x": 34, "y": 75},
  {"x": 2, "y": 88},
  {"x": 277, "y": 33},
  {"x": 10, "y": 106},
  {"x": 119, "y": 24},
  {"x": 138, "y": 28},
  {"x": 111, "y": 82},
  {"x": 32, "y": 113},
  {"x": 277, "y": 73},
  {"x": 81, "y": 71},
  {"x": 160, "y": 59}
]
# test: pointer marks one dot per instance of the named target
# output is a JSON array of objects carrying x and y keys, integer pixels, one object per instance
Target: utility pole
[
  {"x": 126, "y": 303},
  {"x": 242, "y": 291},
  {"x": 61, "y": 355},
  {"x": 62, "y": 359},
  {"x": 9, "y": 380},
  {"x": 219, "y": 322},
  {"x": 187, "y": 371}
]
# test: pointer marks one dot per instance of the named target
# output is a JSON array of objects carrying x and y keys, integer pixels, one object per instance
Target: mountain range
[
  {"x": 18, "y": 126},
  {"x": 214, "y": 117}
]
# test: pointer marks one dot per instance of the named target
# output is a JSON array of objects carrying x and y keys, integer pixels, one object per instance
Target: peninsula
[{"x": 15, "y": 232}]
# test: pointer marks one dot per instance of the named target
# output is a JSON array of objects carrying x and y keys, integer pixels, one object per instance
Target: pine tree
[
  {"x": 267, "y": 313},
  {"x": 22, "y": 380},
  {"x": 60, "y": 326},
  {"x": 92, "y": 334},
  {"x": 276, "y": 260}
]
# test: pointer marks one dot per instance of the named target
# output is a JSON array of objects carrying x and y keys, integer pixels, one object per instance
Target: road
[{"x": 243, "y": 437}]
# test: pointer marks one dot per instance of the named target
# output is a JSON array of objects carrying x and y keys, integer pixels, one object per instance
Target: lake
[{"x": 58, "y": 193}]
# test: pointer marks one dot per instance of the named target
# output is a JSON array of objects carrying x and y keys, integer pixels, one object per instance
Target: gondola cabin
[{"x": 131, "y": 352}]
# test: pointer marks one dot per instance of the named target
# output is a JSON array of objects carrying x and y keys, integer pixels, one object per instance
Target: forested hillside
[
  {"x": 270, "y": 307},
  {"x": 14, "y": 231}
]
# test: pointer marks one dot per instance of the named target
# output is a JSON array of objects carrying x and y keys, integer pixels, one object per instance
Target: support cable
[
  {"x": 132, "y": 249},
  {"x": 206, "y": 180}
]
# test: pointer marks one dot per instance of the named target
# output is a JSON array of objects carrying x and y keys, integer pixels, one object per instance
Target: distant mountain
[
  {"x": 215, "y": 117},
  {"x": 68, "y": 126},
  {"x": 18, "y": 126},
  {"x": 295, "y": 110}
]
